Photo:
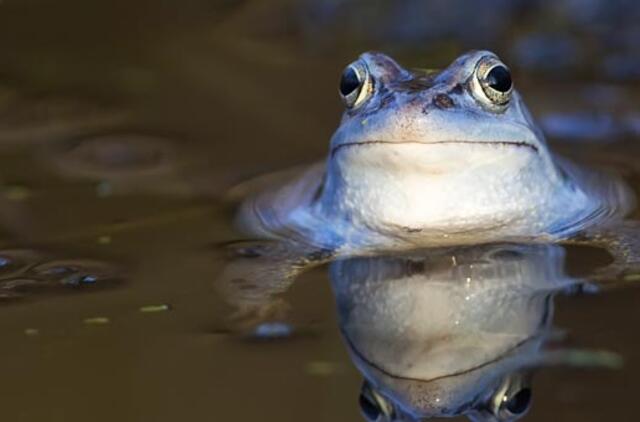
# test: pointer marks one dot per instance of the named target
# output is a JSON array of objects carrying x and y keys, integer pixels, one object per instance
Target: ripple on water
[
  {"x": 123, "y": 162},
  {"x": 26, "y": 272},
  {"x": 36, "y": 118},
  {"x": 116, "y": 155}
]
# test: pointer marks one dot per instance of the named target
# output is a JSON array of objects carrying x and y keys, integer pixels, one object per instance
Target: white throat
[{"x": 445, "y": 188}]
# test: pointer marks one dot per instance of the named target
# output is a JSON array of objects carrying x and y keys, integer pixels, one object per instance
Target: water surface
[{"x": 122, "y": 124}]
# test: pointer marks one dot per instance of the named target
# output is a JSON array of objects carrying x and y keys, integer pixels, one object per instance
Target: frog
[
  {"x": 426, "y": 161},
  {"x": 421, "y": 159},
  {"x": 433, "y": 158}
]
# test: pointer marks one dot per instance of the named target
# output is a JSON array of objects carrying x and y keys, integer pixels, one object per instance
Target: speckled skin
[{"x": 426, "y": 161}]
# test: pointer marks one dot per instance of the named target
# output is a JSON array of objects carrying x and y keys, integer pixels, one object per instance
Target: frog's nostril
[{"x": 443, "y": 101}]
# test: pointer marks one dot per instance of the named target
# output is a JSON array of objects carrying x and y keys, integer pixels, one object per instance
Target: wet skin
[{"x": 433, "y": 159}]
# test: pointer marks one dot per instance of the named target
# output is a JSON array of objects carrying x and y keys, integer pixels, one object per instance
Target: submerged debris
[
  {"x": 104, "y": 240},
  {"x": 320, "y": 368},
  {"x": 31, "y": 332},
  {"x": 273, "y": 330},
  {"x": 17, "y": 192},
  {"x": 148, "y": 309},
  {"x": 96, "y": 321}
]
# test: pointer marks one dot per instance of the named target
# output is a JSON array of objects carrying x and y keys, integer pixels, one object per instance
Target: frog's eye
[
  {"x": 355, "y": 84},
  {"x": 494, "y": 81}
]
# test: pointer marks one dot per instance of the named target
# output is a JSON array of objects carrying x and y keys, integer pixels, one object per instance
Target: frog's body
[{"x": 430, "y": 160}]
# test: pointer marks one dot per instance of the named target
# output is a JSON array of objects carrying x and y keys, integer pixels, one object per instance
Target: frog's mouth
[
  {"x": 487, "y": 143},
  {"x": 391, "y": 374}
]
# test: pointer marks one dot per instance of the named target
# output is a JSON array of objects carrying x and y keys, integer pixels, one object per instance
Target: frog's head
[
  {"x": 451, "y": 152},
  {"x": 467, "y": 114}
]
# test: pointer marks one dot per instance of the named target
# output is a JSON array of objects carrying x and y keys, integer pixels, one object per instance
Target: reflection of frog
[
  {"x": 436, "y": 332},
  {"x": 449, "y": 332},
  {"x": 426, "y": 159}
]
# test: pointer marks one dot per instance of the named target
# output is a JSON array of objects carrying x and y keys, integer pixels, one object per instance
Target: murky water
[{"x": 123, "y": 124}]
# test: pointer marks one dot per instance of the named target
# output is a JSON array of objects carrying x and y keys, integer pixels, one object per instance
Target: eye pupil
[
  {"x": 499, "y": 78},
  {"x": 493, "y": 78},
  {"x": 370, "y": 410},
  {"x": 349, "y": 81},
  {"x": 519, "y": 403}
]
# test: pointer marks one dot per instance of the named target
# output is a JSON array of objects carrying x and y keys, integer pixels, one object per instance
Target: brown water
[{"x": 121, "y": 125}]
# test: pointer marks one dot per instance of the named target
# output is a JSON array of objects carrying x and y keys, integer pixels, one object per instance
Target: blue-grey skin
[
  {"x": 430, "y": 160},
  {"x": 450, "y": 332}
]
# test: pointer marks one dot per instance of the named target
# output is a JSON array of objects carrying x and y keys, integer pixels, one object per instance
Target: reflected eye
[
  {"x": 370, "y": 410},
  {"x": 514, "y": 406},
  {"x": 519, "y": 403},
  {"x": 494, "y": 80},
  {"x": 374, "y": 407},
  {"x": 355, "y": 84},
  {"x": 513, "y": 399}
]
